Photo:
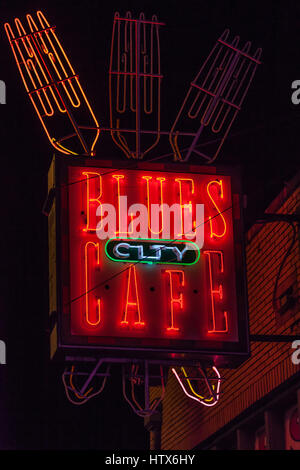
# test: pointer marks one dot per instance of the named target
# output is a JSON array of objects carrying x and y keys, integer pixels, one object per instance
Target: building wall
[{"x": 185, "y": 423}]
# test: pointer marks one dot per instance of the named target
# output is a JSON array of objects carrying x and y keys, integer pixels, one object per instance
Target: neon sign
[{"x": 119, "y": 287}]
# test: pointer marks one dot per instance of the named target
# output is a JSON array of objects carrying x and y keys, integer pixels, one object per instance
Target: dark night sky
[{"x": 264, "y": 142}]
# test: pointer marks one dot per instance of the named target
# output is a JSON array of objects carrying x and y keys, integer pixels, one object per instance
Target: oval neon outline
[{"x": 153, "y": 240}]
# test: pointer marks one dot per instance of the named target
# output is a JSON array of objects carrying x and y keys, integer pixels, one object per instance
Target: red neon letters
[
  {"x": 212, "y": 233},
  {"x": 92, "y": 201},
  {"x": 92, "y": 316},
  {"x": 132, "y": 300},
  {"x": 151, "y": 301},
  {"x": 175, "y": 301}
]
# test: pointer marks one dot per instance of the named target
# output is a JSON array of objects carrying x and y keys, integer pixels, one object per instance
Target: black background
[{"x": 34, "y": 413}]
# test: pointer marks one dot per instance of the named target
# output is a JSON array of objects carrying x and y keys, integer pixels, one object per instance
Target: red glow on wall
[{"x": 132, "y": 308}]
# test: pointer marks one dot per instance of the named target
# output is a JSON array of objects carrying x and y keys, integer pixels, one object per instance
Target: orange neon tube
[
  {"x": 212, "y": 233},
  {"x": 175, "y": 300}
]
